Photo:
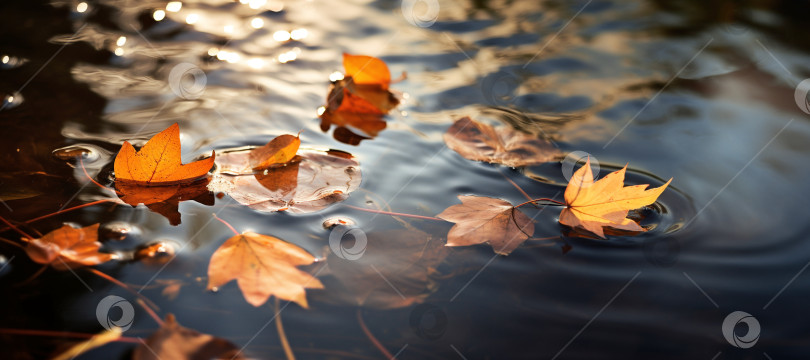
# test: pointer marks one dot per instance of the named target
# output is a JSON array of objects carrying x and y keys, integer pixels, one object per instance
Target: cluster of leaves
[{"x": 279, "y": 176}]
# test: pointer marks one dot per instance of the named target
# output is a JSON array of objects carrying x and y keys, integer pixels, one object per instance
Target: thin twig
[
  {"x": 281, "y": 335},
  {"x": 395, "y": 213},
  {"x": 124, "y": 286},
  {"x": 63, "y": 334},
  {"x": 371, "y": 337},
  {"x": 515, "y": 185}
]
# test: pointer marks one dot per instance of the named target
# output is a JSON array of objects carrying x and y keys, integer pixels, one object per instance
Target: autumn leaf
[
  {"x": 605, "y": 203},
  {"x": 367, "y": 70},
  {"x": 173, "y": 341},
  {"x": 503, "y": 145},
  {"x": 262, "y": 266},
  {"x": 278, "y": 151},
  {"x": 309, "y": 182},
  {"x": 67, "y": 248},
  {"x": 481, "y": 219},
  {"x": 158, "y": 162}
]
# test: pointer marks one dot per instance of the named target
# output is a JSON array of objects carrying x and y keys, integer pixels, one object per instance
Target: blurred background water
[{"x": 699, "y": 91}]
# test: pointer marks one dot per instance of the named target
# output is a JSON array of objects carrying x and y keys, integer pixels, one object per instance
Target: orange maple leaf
[
  {"x": 481, "y": 219},
  {"x": 67, "y": 248},
  {"x": 262, "y": 266},
  {"x": 158, "y": 162},
  {"x": 592, "y": 205}
]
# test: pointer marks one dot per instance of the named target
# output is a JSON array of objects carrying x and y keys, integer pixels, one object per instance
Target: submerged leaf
[
  {"x": 482, "y": 219},
  {"x": 158, "y": 162},
  {"x": 67, "y": 248},
  {"x": 173, "y": 341},
  {"x": 503, "y": 145},
  {"x": 309, "y": 182},
  {"x": 605, "y": 203},
  {"x": 262, "y": 266}
]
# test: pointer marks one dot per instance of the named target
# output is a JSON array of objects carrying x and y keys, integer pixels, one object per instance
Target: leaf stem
[
  {"x": 282, "y": 336},
  {"x": 540, "y": 199},
  {"x": 394, "y": 213},
  {"x": 525, "y": 194},
  {"x": 371, "y": 337},
  {"x": 226, "y": 224},
  {"x": 11, "y": 226},
  {"x": 125, "y": 287}
]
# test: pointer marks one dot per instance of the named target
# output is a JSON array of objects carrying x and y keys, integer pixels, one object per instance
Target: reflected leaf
[
  {"x": 503, "y": 145},
  {"x": 394, "y": 271},
  {"x": 164, "y": 200},
  {"x": 354, "y": 107},
  {"x": 173, "y": 341},
  {"x": 311, "y": 181}
]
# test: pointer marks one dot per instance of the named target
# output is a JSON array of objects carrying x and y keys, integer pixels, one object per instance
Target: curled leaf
[
  {"x": 263, "y": 266},
  {"x": 503, "y": 145},
  {"x": 605, "y": 203},
  {"x": 278, "y": 151},
  {"x": 481, "y": 219},
  {"x": 158, "y": 163}
]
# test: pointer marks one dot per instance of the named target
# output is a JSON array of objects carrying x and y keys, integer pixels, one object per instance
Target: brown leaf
[
  {"x": 503, "y": 145},
  {"x": 158, "y": 162},
  {"x": 67, "y": 248},
  {"x": 262, "y": 266},
  {"x": 310, "y": 182},
  {"x": 482, "y": 219},
  {"x": 605, "y": 203},
  {"x": 165, "y": 200},
  {"x": 173, "y": 341}
]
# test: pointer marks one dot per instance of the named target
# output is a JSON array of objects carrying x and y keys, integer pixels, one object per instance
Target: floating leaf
[
  {"x": 605, "y": 203},
  {"x": 367, "y": 70},
  {"x": 309, "y": 182},
  {"x": 173, "y": 341},
  {"x": 503, "y": 145},
  {"x": 481, "y": 219},
  {"x": 262, "y": 266},
  {"x": 278, "y": 151},
  {"x": 158, "y": 162},
  {"x": 67, "y": 248}
]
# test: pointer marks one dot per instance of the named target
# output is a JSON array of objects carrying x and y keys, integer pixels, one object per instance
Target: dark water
[{"x": 700, "y": 92}]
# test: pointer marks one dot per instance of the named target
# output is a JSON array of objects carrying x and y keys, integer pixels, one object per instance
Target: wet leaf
[
  {"x": 173, "y": 341},
  {"x": 100, "y": 339},
  {"x": 367, "y": 70},
  {"x": 481, "y": 219},
  {"x": 67, "y": 248},
  {"x": 309, "y": 182},
  {"x": 395, "y": 270},
  {"x": 605, "y": 203},
  {"x": 262, "y": 266},
  {"x": 503, "y": 145},
  {"x": 278, "y": 151},
  {"x": 158, "y": 162},
  {"x": 165, "y": 200}
]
